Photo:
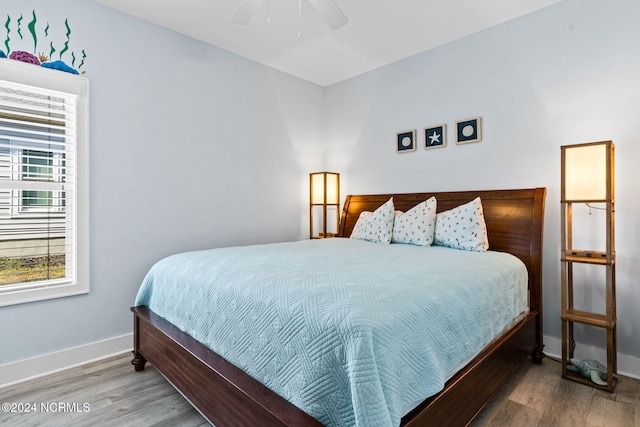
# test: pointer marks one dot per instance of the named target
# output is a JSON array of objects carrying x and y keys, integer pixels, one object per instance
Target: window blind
[{"x": 37, "y": 186}]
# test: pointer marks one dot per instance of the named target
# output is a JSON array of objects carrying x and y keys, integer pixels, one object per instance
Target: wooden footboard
[
  {"x": 478, "y": 382},
  {"x": 222, "y": 393},
  {"x": 226, "y": 396}
]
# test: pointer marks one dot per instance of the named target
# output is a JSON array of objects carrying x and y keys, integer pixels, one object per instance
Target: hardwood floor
[
  {"x": 110, "y": 388},
  {"x": 105, "y": 393},
  {"x": 537, "y": 396}
]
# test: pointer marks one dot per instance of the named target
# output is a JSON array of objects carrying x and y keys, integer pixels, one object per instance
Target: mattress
[{"x": 352, "y": 332}]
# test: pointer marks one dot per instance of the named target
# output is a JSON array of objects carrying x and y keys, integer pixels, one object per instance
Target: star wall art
[{"x": 435, "y": 136}]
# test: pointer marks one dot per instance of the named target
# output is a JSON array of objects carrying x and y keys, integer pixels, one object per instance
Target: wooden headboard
[{"x": 514, "y": 221}]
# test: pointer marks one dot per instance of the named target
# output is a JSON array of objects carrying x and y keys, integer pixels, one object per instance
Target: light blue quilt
[{"x": 352, "y": 332}]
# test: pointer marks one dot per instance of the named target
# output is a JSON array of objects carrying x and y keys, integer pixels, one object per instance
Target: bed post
[
  {"x": 138, "y": 360},
  {"x": 537, "y": 231}
]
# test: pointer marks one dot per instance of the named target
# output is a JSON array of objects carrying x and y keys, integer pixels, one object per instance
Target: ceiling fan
[{"x": 327, "y": 9}]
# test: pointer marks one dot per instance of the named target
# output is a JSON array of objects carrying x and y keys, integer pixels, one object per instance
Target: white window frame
[{"x": 31, "y": 75}]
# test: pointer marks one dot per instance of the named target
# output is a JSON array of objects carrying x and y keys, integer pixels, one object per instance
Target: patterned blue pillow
[
  {"x": 463, "y": 227},
  {"x": 376, "y": 226},
  {"x": 417, "y": 225}
]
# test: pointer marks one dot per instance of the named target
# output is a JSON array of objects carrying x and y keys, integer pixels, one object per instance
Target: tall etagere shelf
[{"x": 588, "y": 177}]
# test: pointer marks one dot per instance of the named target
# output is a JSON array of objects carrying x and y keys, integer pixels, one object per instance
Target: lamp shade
[
  {"x": 325, "y": 188},
  {"x": 587, "y": 172}
]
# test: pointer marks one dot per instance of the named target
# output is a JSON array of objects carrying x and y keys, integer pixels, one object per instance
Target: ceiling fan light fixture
[
  {"x": 330, "y": 12},
  {"x": 245, "y": 12}
]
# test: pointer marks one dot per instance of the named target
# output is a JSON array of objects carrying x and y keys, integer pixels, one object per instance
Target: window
[{"x": 44, "y": 242}]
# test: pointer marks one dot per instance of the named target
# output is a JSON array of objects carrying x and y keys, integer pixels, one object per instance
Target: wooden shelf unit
[{"x": 569, "y": 314}]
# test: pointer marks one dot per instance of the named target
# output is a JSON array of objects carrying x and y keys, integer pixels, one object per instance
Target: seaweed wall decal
[
  {"x": 52, "y": 37},
  {"x": 66, "y": 44},
  {"x": 19, "y": 29},
  {"x": 6, "y": 42},
  {"x": 84, "y": 55},
  {"x": 32, "y": 30}
]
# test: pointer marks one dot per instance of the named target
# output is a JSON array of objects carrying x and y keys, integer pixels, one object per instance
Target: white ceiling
[{"x": 379, "y": 32}]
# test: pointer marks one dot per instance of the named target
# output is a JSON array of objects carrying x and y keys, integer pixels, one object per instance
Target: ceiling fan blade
[
  {"x": 245, "y": 12},
  {"x": 330, "y": 12}
]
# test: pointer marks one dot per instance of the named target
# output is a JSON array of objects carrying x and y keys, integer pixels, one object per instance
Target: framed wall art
[
  {"x": 406, "y": 141},
  {"x": 469, "y": 130},
  {"x": 435, "y": 136}
]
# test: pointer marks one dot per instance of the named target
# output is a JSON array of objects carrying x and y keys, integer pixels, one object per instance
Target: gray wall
[
  {"x": 566, "y": 74},
  {"x": 191, "y": 147}
]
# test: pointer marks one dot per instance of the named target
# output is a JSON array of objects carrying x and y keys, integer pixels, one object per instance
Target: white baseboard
[
  {"x": 27, "y": 369},
  {"x": 628, "y": 366}
]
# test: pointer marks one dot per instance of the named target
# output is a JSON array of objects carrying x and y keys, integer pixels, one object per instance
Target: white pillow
[
  {"x": 417, "y": 225},
  {"x": 375, "y": 226},
  {"x": 463, "y": 227}
]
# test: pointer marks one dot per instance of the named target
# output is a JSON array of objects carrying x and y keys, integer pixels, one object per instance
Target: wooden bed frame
[{"x": 226, "y": 396}]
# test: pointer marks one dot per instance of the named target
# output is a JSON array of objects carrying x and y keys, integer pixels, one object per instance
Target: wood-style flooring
[
  {"x": 106, "y": 393},
  {"x": 536, "y": 395}
]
